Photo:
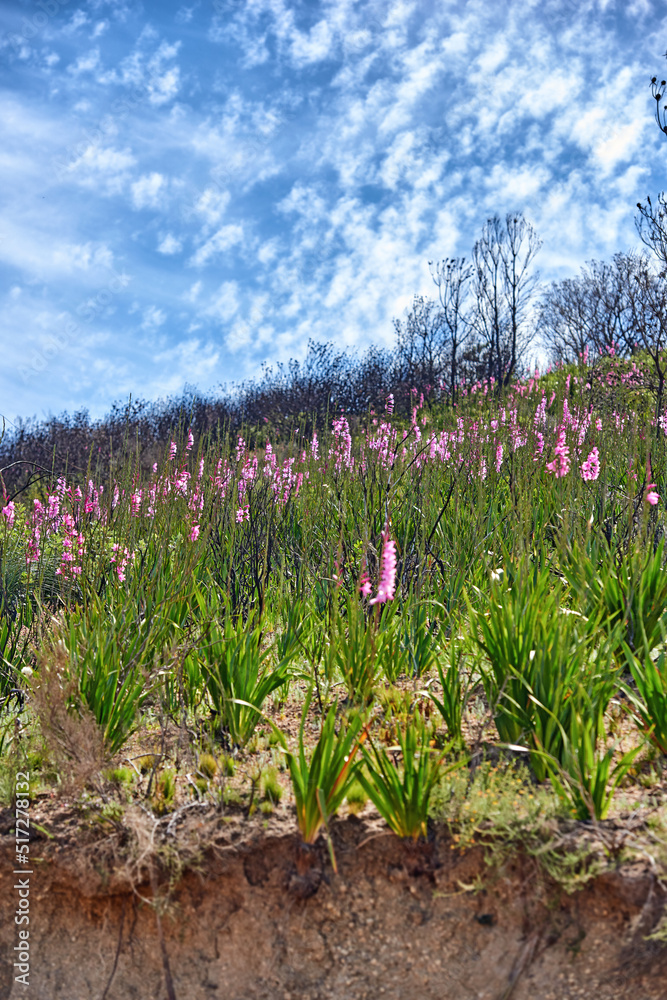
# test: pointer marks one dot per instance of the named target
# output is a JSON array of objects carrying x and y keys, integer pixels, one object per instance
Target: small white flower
[
  {"x": 496, "y": 575},
  {"x": 27, "y": 671}
]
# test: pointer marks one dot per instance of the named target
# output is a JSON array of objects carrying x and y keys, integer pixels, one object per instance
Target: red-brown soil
[{"x": 253, "y": 915}]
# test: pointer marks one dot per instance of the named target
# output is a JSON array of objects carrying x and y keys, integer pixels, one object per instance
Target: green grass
[{"x": 212, "y": 616}]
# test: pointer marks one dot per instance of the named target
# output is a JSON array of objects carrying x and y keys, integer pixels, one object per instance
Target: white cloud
[
  {"x": 212, "y": 204},
  {"x": 79, "y": 18},
  {"x": 193, "y": 292},
  {"x": 224, "y": 303},
  {"x": 184, "y": 14},
  {"x": 170, "y": 245},
  {"x": 163, "y": 88},
  {"x": 83, "y": 257},
  {"x": 148, "y": 191},
  {"x": 415, "y": 122},
  {"x": 101, "y": 168},
  {"x": 224, "y": 239},
  {"x": 312, "y": 47},
  {"x": 100, "y": 28},
  {"x": 190, "y": 361},
  {"x": 153, "y": 318},
  {"x": 493, "y": 56},
  {"x": 268, "y": 251},
  {"x": 85, "y": 64},
  {"x": 239, "y": 337}
]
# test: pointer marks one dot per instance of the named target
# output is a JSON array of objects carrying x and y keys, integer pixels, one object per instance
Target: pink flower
[
  {"x": 499, "y": 457},
  {"x": 9, "y": 513},
  {"x": 364, "y": 584},
  {"x": 194, "y": 534},
  {"x": 387, "y": 585},
  {"x": 390, "y": 403},
  {"x": 590, "y": 469},
  {"x": 191, "y": 441},
  {"x": 172, "y": 450},
  {"x": 652, "y": 497},
  {"x": 121, "y": 561},
  {"x": 561, "y": 463}
]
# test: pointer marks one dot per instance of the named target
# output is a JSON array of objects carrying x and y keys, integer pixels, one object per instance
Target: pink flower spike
[
  {"x": 172, "y": 450},
  {"x": 590, "y": 469},
  {"x": 387, "y": 585},
  {"x": 194, "y": 534},
  {"x": 652, "y": 497},
  {"x": 9, "y": 513},
  {"x": 191, "y": 441}
]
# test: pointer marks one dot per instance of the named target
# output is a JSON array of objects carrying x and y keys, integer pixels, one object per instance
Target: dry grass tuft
[{"x": 72, "y": 736}]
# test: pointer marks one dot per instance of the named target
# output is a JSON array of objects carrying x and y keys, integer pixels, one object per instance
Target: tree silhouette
[{"x": 658, "y": 91}]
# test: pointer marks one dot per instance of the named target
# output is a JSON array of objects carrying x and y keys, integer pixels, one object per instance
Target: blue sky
[{"x": 189, "y": 191}]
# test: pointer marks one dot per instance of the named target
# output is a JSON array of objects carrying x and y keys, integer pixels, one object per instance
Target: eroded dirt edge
[{"x": 246, "y": 912}]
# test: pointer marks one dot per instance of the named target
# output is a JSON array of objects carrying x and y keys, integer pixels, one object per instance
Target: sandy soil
[{"x": 246, "y": 912}]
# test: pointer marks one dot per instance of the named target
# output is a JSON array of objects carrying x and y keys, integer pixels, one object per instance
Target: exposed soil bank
[{"x": 262, "y": 918}]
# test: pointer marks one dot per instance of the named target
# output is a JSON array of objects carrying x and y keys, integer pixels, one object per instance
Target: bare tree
[
  {"x": 658, "y": 92},
  {"x": 647, "y": 295},
  {"x": 651, "y": 225},
  {"x": 503, "y": 287},
  {"x": 421, "y": 342},
  {"x": 567, "y": 320},
  {"x": 591, "y": 311},
  {"x": 519, "y": 248},
  {"x": 489, "y": 318},
  {"x": 452, "y": 276}
]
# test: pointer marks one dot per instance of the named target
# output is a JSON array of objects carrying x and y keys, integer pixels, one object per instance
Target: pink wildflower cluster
[
  {"x": 590, "y": 469},
  {"x": 651, "y": 496},
  {"x": 73, "y": 549},
  {"x": 121, "y": 560},
  {"x": 561, "y": 463},
  {"x": 387, "y": 584},
  {"x": 9, "y": 514},
  {"x": 342, "y": 446}
]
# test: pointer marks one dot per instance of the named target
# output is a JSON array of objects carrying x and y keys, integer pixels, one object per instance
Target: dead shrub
[{"x": 72, "y": 736}]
